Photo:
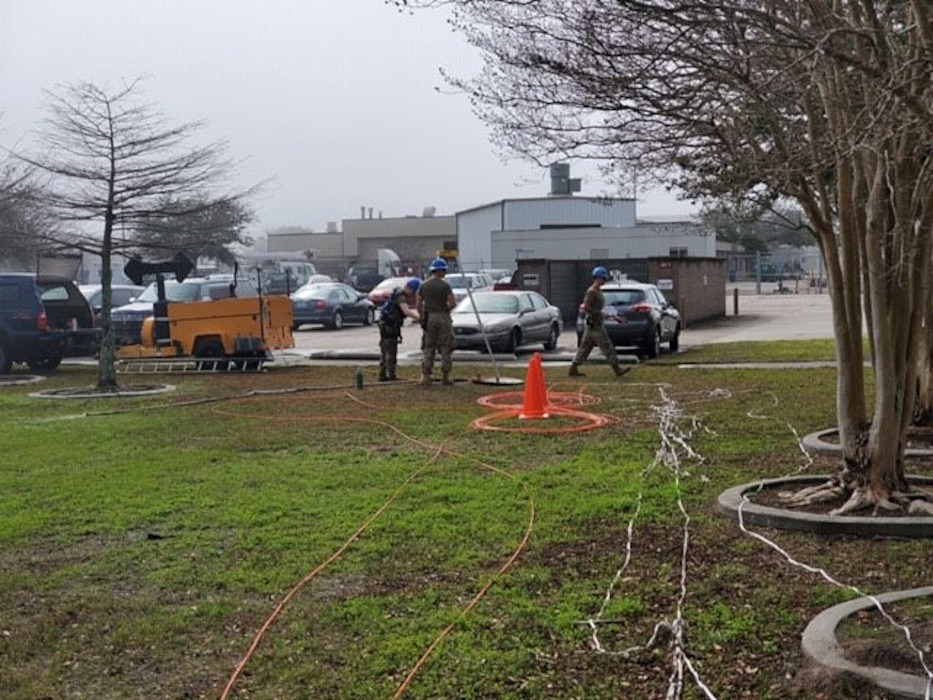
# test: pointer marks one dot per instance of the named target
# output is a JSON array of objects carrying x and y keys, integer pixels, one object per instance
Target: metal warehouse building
[{"x": 553, "y": 241}]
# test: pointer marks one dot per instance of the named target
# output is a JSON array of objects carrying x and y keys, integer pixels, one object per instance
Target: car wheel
[
  {"x": 551, "y": 342},
  {"x": 209, "y": 349},
  {"x": 675, "y": 340},
  {"x": 370, "y": 317},
  {"x": 337, "y": 322},
  {"x": 515, "y": 339},
  {"x": 47, "y": 362},
  {"x": 653, "y": 344},
  {"x": 6, "y": 360}
]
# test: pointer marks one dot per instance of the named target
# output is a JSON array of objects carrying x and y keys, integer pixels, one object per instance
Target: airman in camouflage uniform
[{"x": 435, "y": 300}]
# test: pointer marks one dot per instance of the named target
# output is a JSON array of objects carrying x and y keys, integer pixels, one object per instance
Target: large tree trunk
[
  {"x": 923, "y": 404},
  {"x": 106, "y": 365},
  {"x": 894, "y": 266}
]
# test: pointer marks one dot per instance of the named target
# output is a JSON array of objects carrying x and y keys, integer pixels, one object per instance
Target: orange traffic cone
[{"x": 535, "y": 403}]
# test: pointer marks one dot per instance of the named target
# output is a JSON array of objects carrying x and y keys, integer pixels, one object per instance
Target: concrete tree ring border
[
  {"x": 816, "y": 442},
  {"x": 820, "y": 644},
  {"x": 18, "y": 379},
  {"x": 732, "y": 499},
  {"x": 65, "y": 394}
]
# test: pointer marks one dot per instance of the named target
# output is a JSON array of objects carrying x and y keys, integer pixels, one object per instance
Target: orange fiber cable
[{"x": 438, "y": 452}]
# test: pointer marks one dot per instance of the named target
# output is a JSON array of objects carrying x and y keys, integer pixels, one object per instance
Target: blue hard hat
[
  {"x": 438, "y": 264},
  {"x": 413, "y": 284},
  {"x": 600, "y": 271}
]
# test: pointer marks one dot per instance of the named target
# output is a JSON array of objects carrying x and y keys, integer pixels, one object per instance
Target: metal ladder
[{"x": 188, "y": 365}]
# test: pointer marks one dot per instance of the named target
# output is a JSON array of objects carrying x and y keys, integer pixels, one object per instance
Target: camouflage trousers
[
  {"x": 388, "y": 354},
  {"x": 596, "y": 336},
  {"x": 438, "y": 338}
]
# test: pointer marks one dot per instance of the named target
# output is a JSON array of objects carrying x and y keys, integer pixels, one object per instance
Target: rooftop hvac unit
[{"x": 561, "y": 182}]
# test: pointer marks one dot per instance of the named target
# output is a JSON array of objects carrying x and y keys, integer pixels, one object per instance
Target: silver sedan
[{"x": 502, "y": 321}]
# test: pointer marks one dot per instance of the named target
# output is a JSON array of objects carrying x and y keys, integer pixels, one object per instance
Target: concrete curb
[
  {"x": 731, "y": 500},
  {"x": 90, "y": 393},
  {"x": 19, "y": 379},
  {"x": 820, "y": 644},
  {"x": 817, "y": 442}
]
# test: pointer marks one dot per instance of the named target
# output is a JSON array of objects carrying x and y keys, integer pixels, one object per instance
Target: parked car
[
  {"x": 315, "y": 281},
  {"x": 383, "y": 290},
  {"x": 363, "y": 278},
  {"x": 497, "y": 273},
  {"x": 128, "y": 319},
  {"x": 638, "y": 315},
  {"x": 504, "y": 283},
  {"x": 279, "y": 283},
  {"x": 475, "y": 282},
  {"x": 318, "y": 278},
  {"x": 42, "y": 318},
  {"x": 331, "y": 305},
  {"x": 509, "y": 319},
  {"x": 121, "y": 294}
]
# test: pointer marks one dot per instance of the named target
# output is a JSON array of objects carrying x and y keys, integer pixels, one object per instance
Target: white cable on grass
[
  {"x": 807, "y": 462},
  {"x": 855, "y": 589},
  {"x": 674, "y": 442}
]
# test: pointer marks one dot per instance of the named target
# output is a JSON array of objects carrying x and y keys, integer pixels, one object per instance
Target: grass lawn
[{"x": 387, "y": 546}]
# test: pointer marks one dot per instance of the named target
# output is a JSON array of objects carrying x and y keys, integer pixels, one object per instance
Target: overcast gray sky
[{"x": 336, "y": 99}]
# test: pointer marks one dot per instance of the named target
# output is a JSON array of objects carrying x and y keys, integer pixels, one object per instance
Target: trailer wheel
[
  {"x": 45, "y": 363},
  {"x": 6, "y": 360},
  {"x": 210, "y": 348}
]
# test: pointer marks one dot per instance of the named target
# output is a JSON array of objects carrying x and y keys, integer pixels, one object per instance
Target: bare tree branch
[{"x": 108, "y": 158}]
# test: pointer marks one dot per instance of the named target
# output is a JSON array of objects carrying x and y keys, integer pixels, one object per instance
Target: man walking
[
  {"x": 435, "y": 300},
  {"x": 595, "y": 334},
  {"x": 392, "y": 315}
]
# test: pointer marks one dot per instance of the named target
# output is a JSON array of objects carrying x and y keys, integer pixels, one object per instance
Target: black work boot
[
  {"x": 620, "y": 370},
  {"x": 575, "y": 371}
]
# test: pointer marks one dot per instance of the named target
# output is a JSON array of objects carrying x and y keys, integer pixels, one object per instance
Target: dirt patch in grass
[
  {"x": 172, "y": 620},
  {"x": 733, "y": 591},
  {"x": 869, "y": 639}
]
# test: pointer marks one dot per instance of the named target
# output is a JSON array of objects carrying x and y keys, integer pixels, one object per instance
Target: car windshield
[
  {"x": 306, "y": 293},
  {"x": 624, "y": 297},
  {"x": 52, "y": 291},
  {"x": 174, "y": 291},
  {"x": 390, "y": 284},
  {"x": 489, "y": 304},
  {"x": 461, "y": 282}
]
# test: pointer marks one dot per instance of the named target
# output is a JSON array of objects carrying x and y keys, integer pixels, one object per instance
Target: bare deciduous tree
[
  {"x": 197, "y": 229},
  {"x": 826, "y": 105},
  {"x": 110, "y": 158},
  {"x": 26, "y": 229}
]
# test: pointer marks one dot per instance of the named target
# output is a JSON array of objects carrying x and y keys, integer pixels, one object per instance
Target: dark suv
[
  {"x": 637, "y": 315},
  {"x": 41, "y": 319}
]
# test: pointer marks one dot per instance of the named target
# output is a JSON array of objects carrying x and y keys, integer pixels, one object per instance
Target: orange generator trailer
[{"x": 237, "y": 332}]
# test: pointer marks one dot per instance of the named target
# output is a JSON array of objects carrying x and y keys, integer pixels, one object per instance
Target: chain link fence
[{"x": 791, "y": 271}]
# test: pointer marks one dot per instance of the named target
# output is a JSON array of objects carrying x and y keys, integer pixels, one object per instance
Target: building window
[{"x": 678, "y": 252}]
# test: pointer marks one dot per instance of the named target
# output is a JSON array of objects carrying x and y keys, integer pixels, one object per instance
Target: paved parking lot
[
  {"x": 774, "y": 316},
  {"x": 766, "y": 316}
]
